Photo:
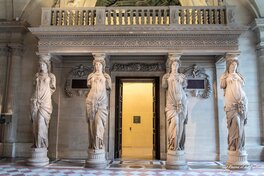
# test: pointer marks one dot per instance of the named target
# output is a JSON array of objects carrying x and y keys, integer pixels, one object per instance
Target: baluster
[
  {"x": 148, "y": 17},
  {"x": 93, "y": 17},
  {"x": 52, "y": 17},
  {"x": 222, "y": 16},
  {"x": 194, "y": 16},
  {"x": 87, "y": 17},
  {"x": 63, "y": 18},
  {"x": 211, "y": 16},
  {"x": 74, "y": 17},
  {"x": 108, "y": 16},
  {"x": 114, "y": 17},
  {"x": 131, "y": 16},
  {"x": 199, "y": 16},
  {"x": 145, "y": 18},
  {"x": 159, "y": 16},
  {"x": 153, "y": 16},
  {"x": 165, "y": 16},
  {"x": 182, "y": 16},
  {"x": 188, "y": 19},
  {"x": 78, "y": 17},
  {"x": 82, "y": 12},
  {"x": 204, "y": 16},
  {"x": 125, "y": 17},
  {"x": 137, "y": 20},
  {"x": 122, "y": 15},
  {"x": 70, "y": 18},
  {"x": 216, "y": 16}
]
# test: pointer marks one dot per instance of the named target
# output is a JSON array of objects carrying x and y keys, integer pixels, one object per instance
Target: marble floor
[{"x": 18, "y": 167}]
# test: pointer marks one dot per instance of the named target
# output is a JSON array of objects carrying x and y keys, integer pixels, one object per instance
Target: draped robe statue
[
  {"x": 41, "y": 105},
  {"x": 235, "y": 105},
  {"x": 99, "y": 83},
  {"x": 176, "y": 106}
]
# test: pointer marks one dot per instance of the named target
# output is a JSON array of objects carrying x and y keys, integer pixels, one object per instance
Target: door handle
[{"x": 130, "y": 128}]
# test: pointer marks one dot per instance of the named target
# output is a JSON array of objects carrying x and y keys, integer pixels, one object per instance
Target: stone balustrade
[{"x": 127, "y": 16}]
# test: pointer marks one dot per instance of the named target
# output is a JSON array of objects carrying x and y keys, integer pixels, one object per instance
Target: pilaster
[
  {"x": 258, "y": 28},
  {"x": 222, "y": 132},
  {"x": 10, "y": 106}
]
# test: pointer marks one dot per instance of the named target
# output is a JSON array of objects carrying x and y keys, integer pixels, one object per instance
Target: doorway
[{"x": 137, "y": 118}]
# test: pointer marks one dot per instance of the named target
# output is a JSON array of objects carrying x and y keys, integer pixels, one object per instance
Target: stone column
[
  {"x": 176, "y": 113},
  {"x": 97, "y": 113},
  {"x": 3, "y": 70},
  {"x": 258, "y": 28},
  {"x": 3, "y": 73},
  {"x": 10, "y": 107}
]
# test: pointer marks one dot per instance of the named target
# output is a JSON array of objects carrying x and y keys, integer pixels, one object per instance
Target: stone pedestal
[
  {"x": 237, "y": 160},
  {"x": 38, "y": 157},
  {"x": 176, "y": 160},
  {"x": 96, "y": 159}
]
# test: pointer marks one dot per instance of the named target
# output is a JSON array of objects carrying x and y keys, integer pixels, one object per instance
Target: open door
[{"x": 137, "y": 120}]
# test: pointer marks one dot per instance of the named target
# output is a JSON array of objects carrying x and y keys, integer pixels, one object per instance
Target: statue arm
[
  {"x": 89, "y": 80},
  {"x": 108, "y": 82},
  {"x": 184, "y": 81},
  {"x": 165, "y": 81},
  {"x": 52, "y": 83},
  {"x": 223, "y": 82}
]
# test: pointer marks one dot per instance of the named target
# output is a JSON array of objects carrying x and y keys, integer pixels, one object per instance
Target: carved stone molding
[
  {"x": 3, "y": 51},
  {"x": 196, "y": 73},
  {"x": 167, "y": 42},
  {"x": 17, "y": 51},
  {"x": 141, "y": 67},
  {"x": 78, "y": 73}
]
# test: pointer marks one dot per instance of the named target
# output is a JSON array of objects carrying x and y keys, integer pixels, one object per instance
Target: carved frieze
[
  {"x": 77, "y": 74},
  {"x": 120, "y": 42},
  {"x": 199, "y": 84},
  {"x": 141, "y": 67}
]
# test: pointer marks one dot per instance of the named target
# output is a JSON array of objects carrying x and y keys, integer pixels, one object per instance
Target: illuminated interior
[{"x": 137, "y": 141}]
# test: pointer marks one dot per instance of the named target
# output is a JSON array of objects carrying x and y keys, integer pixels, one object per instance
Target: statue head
[
  {"x": 44, "y": 64},
  {"x": 231, "y": 63},
  {"x": 99, "y": 63},
  {"x": 173, "y": 63}
]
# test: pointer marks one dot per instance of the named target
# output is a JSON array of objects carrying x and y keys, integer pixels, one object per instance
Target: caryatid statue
[
  {"x": 97, "y": 111},
  {"x": 41, "y": 104},
  {"x": 40, "y": 111},
  {"x": 176, "y": 108},
  {"x": 235, "y": 106}
]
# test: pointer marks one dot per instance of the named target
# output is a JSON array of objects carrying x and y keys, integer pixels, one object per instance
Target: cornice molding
[
  {"x": 146, "y": 41},
  {"x": 14, "y": 26}
]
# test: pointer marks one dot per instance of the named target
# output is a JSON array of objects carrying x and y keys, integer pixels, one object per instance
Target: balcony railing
[{"x": 127, "y": 16}]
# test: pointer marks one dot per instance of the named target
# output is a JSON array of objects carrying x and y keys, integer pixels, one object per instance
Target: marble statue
[
  {"x": 176, "y": 105},
  {"x": 41, "y": 105},
  {"x": 236, "y": 114},
  {"x": 99, "y": 83},
  {"x": 235, "y": 105}
]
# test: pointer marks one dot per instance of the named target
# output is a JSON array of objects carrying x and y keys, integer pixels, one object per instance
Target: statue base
[
  {"x": 176, "y": 160},
  {"x": 38, "y": 157},
  {"x": 96, "y": 159},
  {"x": 237, "y": 160}
]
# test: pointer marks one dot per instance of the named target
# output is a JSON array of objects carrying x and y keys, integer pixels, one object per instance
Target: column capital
[
  {"x": 99, "y": 56},
  {"x": 4, "y": 50},
  {"x": 17, "y": 49},
  {"x": 231, "y": 55},
  {"x": 258, "y": 27},
  {"x": 174, "y": 55}
]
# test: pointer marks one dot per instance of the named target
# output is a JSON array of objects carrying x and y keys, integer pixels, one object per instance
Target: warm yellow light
[{"x": 137, "y": 139}]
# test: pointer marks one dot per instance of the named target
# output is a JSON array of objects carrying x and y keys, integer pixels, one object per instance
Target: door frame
[{"x": 118, "y": 113}]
